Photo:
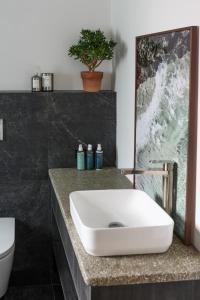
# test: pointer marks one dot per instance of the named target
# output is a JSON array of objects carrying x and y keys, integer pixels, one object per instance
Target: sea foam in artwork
[{"x": 162, "y": 124}]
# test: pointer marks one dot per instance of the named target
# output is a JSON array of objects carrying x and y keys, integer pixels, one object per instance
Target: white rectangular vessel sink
[{"x": 120, "y": 222}]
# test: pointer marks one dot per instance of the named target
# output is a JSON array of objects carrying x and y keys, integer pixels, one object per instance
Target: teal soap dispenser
[
  {"x": 80, "y": 158},
  {"x": 99, "y": 158},
  {"x": 89, "y": 158}
]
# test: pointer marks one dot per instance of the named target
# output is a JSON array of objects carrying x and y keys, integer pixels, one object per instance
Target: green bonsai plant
[{"x": 91, "y": 50}]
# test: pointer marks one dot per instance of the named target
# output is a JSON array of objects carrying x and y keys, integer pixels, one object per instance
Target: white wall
[
  {"x": 37, "y": 33},
  {"x": 129, "y": 19}
]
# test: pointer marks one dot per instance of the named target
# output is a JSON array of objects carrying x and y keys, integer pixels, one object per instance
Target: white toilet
[{"x": 7, "y": 247}]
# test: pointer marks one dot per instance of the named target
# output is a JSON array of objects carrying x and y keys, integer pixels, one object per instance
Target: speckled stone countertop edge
[{"x": 134, "y": 277}]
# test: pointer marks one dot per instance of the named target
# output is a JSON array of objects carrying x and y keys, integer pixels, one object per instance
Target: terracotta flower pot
[{"x": 91, "y": 81}]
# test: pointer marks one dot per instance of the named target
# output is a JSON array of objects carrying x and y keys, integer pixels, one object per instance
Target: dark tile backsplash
[
  {"x": 81, "y": 118},
  {"x": 42, "y": 131},
  {"x": 31, "y": 293},
  {"x": 82, "y": 106},
  {"x": 28, "y": 201},
  {"x": 23, "y": 153},
  {"x": 65, "y": 136}
]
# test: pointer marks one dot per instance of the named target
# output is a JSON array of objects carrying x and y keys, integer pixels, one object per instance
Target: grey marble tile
[
  {"x": 42, "y": 130},
  {"x": 23, "y": 153},
  {"x": 23, "y": 107},
  {"x": 82, "y": 106},
  {"x": 64, "y": 138},
  {"x": 30, "y": 293},
  {"x": 28, "y": 202}
]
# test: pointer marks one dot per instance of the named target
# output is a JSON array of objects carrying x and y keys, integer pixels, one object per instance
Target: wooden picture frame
[{"x": 166, "y": 99}]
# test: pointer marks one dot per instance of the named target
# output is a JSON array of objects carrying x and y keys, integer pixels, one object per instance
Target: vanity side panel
[
  {"x": 83, "y": 291},
  {"x": 62, "y": 264}
]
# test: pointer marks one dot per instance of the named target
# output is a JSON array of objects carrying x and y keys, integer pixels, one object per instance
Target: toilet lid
[{"x": 7, "y": 235}]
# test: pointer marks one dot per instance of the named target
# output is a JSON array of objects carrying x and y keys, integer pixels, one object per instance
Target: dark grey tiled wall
[
  {"x": 23, "y": 153},
  {"x": 27, "y": 200},
  {"x": 42, "y": 131},
  {"x": 81, "y": 118}
]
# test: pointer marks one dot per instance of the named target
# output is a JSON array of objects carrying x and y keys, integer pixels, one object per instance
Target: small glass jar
[
  {"x": 36, "y": 83},
  {"x": 47, "y": 82}
]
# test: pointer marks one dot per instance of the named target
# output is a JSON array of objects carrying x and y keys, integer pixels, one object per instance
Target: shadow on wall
[
  {"x": 68, "y": 80},
  {"x": 120, "y": 53},
  {"x": 107, "y": 81}
]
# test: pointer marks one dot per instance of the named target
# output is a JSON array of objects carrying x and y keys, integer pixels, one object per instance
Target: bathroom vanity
[{"x": 171, "y": 275}]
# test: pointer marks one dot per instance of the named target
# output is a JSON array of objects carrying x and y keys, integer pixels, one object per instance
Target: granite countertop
[{"x": 179, "y": 263}]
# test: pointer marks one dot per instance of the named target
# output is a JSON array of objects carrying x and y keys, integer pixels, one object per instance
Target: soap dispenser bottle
[
  {"x": 99, "y": 157},
  {"x": 89, "y": 158},
  {"x": 80, "y": 158}
]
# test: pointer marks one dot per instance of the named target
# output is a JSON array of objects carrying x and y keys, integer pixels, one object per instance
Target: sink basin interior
[
  {"x": 120, "y": 222},
  {"x": 131, "y": 208}
]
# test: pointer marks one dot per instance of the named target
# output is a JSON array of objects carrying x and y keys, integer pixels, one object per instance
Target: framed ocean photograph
[{"x": 166, "y": 117}]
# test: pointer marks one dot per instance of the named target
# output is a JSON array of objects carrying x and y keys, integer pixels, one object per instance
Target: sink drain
[{"x": 115, "y": 225}]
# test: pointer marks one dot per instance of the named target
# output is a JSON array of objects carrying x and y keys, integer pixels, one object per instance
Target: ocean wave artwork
[{"x": 162, "y": 113}]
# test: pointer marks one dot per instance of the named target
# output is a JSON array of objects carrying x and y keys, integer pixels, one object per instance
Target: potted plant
[{"x": 92, "y": 49}]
